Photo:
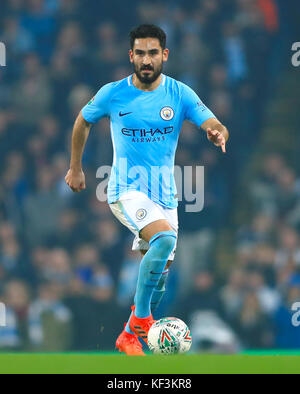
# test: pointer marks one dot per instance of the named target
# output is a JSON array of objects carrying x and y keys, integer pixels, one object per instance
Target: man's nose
[{"x": 146, "y": 60}]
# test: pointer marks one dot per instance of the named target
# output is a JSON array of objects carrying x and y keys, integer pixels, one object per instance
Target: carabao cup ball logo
[
  {"x": 141, "y": 213},
  {"x": 167, "y": 113}
]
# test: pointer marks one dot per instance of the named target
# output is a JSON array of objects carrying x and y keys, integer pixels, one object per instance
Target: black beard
[{"x": 147, "y": 79}]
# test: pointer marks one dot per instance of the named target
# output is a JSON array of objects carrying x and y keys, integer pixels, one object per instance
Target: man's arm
[
  {"x": 216, "y": 132},
  {"x": 75, "y": 176}
]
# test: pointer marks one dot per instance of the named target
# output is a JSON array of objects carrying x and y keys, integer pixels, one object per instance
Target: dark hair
[{"x": 145, "y": 31}]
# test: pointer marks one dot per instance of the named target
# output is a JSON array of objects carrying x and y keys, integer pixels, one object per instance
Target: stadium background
[{"x": 67, "y": 272}]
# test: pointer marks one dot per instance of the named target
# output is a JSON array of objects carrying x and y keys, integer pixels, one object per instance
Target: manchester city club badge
[{"x": 167, "y": 113}]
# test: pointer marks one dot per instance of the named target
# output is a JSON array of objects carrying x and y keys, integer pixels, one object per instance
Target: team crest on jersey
[
  {"x": 141, "y": 213},
  {"x": 167, "y": 113}
]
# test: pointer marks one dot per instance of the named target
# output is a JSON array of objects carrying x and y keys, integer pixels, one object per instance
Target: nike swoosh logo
[
  {"x": 155, "y": 273},
  {"x": 125, "y": 113}
]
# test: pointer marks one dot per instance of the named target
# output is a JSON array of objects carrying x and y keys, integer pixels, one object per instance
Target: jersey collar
[{"x": 162, "y": 83}]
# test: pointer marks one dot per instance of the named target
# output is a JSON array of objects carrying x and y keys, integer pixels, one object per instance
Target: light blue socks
[
  {"x": 152, "y": 274},
  {"x": 157, "y": 296},
  {"x": 151, "y": 269},
  {"x": 159, "y": 291}
]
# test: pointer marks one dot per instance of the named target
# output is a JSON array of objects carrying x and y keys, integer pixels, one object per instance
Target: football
[{"x": 169, "y": 335}]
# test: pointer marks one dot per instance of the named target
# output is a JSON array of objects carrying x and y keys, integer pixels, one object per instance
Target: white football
[{"x": 169, "y": 335}]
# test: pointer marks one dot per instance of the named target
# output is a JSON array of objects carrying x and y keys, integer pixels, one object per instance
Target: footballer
[{"x": 146, "y": 111}]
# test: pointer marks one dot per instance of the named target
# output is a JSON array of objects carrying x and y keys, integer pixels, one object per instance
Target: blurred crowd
[
  {"x": 67, "y": 272},
  {"x": 256, "y": 300}
]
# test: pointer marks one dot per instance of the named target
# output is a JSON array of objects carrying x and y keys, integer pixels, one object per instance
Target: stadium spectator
[
  {"x": 50, "y": 321},
  {"x": 15, "y": 335},
  {"x": 253, "y": 324}
]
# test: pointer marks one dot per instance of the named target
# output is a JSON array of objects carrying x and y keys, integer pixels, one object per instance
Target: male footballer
[{"x": 146, "y": 111}]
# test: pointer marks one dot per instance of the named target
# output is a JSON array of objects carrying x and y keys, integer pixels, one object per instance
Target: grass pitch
[{"x": 56, "y": 363}]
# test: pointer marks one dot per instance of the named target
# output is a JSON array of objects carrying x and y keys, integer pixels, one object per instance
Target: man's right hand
[{"x": 76, "y": 180}]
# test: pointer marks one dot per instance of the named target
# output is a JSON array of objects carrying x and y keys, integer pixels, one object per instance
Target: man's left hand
[{"x": 217, "y": 138}]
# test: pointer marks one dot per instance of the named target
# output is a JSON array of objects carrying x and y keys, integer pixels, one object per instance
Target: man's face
[{"x": 147, "y": 57}]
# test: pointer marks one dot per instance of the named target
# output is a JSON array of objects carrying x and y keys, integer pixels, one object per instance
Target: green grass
[{"x": 54, "y": 363}]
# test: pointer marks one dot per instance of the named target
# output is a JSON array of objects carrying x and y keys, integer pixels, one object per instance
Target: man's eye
[{"x": 150, "y": 53}]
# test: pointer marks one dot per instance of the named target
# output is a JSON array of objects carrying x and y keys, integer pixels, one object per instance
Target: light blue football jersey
[{"x": 145, "y": 127}]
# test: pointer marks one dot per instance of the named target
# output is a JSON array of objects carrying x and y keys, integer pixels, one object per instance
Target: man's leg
[
  {"x": 160, "y": 289},
  {"x": 162, "y": 239},
  {"x": 158, "y": 292}
]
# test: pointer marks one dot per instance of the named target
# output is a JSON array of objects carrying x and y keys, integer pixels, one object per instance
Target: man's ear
[
  {"x": 131, "y": 55},
  {"x": 165, "y": 54}
]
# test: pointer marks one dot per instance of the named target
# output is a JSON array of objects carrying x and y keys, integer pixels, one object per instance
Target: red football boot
[
  {"x": 129, "y": 344},
  {"x": 141, "y": 326}
]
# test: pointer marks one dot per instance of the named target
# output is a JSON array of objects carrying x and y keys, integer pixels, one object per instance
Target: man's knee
[
  {"x": 169, "y": 263},
  {"x": 149, "y": 231},
  {"x": 164, "y": 241}
]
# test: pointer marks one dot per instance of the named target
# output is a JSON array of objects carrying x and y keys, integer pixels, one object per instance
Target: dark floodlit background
[{"x": 67, "y": 272}]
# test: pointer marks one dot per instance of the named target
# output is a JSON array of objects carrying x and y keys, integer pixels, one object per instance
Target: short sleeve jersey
[{"x": 145, "y": 127}]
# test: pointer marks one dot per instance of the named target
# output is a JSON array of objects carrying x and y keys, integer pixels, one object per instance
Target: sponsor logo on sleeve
[{"x": 201, "y": 106}]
